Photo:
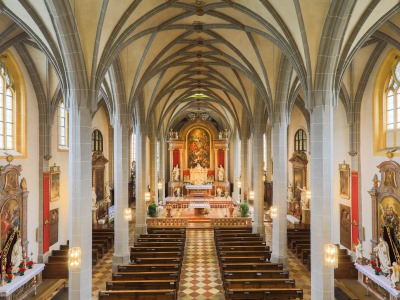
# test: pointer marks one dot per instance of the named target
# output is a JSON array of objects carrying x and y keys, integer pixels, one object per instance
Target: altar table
[
  {"x": 198, "y": 189},
  {"x": 22, "y": 285},
  {"x": 366, "y": 271}
]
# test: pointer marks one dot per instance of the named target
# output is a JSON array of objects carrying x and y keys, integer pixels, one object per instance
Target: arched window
[
  {"x": 393, "y": 108},
  {"x": 97, "y": 141},
  {"x": 62, "y": 125},
  {"x": 133, "y": 147},
  {"x": 300, "y": 140}
]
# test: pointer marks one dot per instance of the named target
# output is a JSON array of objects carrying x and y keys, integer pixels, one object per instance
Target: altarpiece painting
[
  {"x": 198, "y": 151},
  {"x": 345, "y": 226},
  {"x": 344, "y": 188},
  {"x": 54, "y": 183}
]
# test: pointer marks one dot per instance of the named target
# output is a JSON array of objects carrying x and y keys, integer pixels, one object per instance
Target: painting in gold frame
[
  {"x": 54, "y": 183},
  {"x": 344, "y": 188}
]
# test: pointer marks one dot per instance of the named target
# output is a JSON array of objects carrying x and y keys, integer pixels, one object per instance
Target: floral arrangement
[
  {"x": 9, "y": 276},
  {"x": 377, "y": 270},
  {"x": 206, "y": 211},
  {"x": 30, "y": 263},
  {"x": 21, "y": 268}
]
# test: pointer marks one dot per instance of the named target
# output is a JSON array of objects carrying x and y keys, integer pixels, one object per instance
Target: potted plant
[
  {"x": 244, "y": 210},
  {"x": 152, "y": 210}
]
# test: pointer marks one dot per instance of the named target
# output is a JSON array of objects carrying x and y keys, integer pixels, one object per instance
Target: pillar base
[
  {"x": 280, "y": 260},
  {"x": 259, "y": 229},
  {"x": 120, "y": 260},
  {"x": 140, "y": 229}
]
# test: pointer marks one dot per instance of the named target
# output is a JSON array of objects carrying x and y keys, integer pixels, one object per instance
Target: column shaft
[
  {"x": 279, "y": 231},
  {"x": 80, "y": 202},
  {"x": 141, "y": 175},
  {"x": 258, "y": 184},
  {"x": 121, "y": 175}
]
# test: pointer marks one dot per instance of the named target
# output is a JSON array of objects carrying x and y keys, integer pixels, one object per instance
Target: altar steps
[{"x": 202, "y": 223}]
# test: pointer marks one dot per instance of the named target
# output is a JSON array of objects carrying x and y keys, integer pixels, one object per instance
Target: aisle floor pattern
[{"x": 200, "y": 277}]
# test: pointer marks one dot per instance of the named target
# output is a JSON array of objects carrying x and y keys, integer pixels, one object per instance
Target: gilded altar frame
[{"x": 344, "y": 174}]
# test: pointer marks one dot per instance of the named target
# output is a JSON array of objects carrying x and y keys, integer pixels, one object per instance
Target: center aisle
[{"x": 200, "y": 276}]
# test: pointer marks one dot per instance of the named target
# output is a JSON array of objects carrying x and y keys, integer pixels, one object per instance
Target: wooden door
[{"x": 46, "y": 211}]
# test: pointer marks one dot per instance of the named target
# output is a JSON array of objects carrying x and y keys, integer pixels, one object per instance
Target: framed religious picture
[
  {"x": 53, "y": 226},
  {"x": 344, "y": 188},
  {"x": 54, "y": 183},
  {"x": 298, "y": 182},
  {"x": 11, "y": 182},
  {"x": 345, "y": 226}
]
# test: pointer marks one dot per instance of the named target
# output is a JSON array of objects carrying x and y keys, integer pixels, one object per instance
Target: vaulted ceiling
[{"x": 209, "y": 56}]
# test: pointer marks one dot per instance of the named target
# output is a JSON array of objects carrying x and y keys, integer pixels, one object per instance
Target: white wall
[
  {"x": 340, "y": 154},
  {"x": 60, "y": 158},
  {"x": 30, "y": 164},
  {"x": 100, "y": 122},
  {"x": 369, "y": 162},
  {"x": 297, "y": 121}
]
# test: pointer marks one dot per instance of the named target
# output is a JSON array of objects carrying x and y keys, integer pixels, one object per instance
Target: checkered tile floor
[{"x": 200, "y": 277}]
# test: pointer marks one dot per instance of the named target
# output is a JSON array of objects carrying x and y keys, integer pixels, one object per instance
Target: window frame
[
  {"x": 302, "y": 141},
  {"x": 61, "y": 106},
  {"x": 97, "y": 141}
]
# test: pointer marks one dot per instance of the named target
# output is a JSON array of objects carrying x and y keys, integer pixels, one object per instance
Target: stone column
[
  {"x": 80, "y": 200},
  {"x": 162, "y": 169},
  {"x": 322, "y": 199},
  {"x": 153, "y": 167},
  {"x": 121, "y": 175},
  {"x": 258, "y": 183},
  {"x": 243, "y": 160},
  {"x": 279, "y": 231},
  {"x": 216, "y": 164},
  {"x": 181, "y": 165},
  {"x": 226, "y": 163},
  {"x": 141, "y": 175},
  {"x": 269, "y": 154},
  {"x": 249, "y": 162}
]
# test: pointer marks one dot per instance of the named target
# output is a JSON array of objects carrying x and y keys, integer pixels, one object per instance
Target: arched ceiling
[{"x": 169, "y": 51}]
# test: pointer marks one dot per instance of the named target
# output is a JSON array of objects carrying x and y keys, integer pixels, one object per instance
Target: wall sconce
[
  {"x": 147, "y": 196},
  {"x": 239, "y": 184},
  {"x": 74, "y": 258},
  {"x": 251, "y": 195},
  {"x": 159, "y": 184},
  {"x": 273, "y": 212},
  {"x": 128, "y": 214},
  {"x": 331, "y": 255}
]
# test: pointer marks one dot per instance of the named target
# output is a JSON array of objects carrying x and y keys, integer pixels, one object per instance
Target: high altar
[{"x": 198, "y": 160}]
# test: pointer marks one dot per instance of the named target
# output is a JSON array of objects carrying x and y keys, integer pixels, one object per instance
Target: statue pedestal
[{"x": 305, "y": 216}]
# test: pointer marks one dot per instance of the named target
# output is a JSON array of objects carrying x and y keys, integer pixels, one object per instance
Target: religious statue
[
  {"x": 177, "y": 191},
  {"x": 304, "y": 199},
  {"x": 220, "y": 173},
  {"x": 395, "y": 276},
  {"x": 171, "y": 133},
  {"x": 175, "y": 173},
  {"x": 94, "y": 197},
  {"x": 16, "y": 255},
  {"x": 382, "y": 252},
  {"x": 108, "y": 192},
  {"x": 219, "y": 192},
  {"x": 359, "y": 250},
  {"x": 220, "y": 135}
]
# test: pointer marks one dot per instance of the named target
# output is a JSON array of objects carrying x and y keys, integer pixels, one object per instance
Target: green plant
[
  {"x": 152, "y": 210},
  {"x": 244, "y": 210}
]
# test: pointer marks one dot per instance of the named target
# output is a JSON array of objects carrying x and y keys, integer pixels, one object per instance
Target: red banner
[
  {"x": 354, "y": 207},
  {"x": 176, "y": 158},
  {"x": 46, "y": 211},
  {"x": 221, "y": 158}
]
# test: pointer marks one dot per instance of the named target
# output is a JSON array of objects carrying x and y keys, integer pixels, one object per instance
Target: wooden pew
[
  {"x": 149, "y": 268},
  {"x": 298, "y": 230},
  {"x": 243, "y": 248},
  {"x": 168, "y": 294},
  {"x": 249, "y": 259},
  {"x": 143, "y": 254},
  {"x": 300, "y": 247},
  {"x": 232, "y": 230},
  {"x": 305, "y": 253},
  {"x": 167, "y": 230},
  {"x": 217, "y": 236},
  {"x": 99, "y": 248},
  {"x": 95, "y": 257},
  {"x": 158, "y": 244},
  {"x": 162, "y": 235},
  {"x": 239, "y": 239},
  {"x": 259, "y": 283},
  {"x": 251, "y": 274},
  {"x": 240, "y": 243},
  {"x": 159, "y": 260},
  {"x": 290, "y": 238},
  {"x": 160, "y": 240},
  {"x": 58, "y": 259},
  {"x": 299, "y": 241},
  {"x": 266, "y": 254},
  {"x": 163, "y": 275},
  {"x": 142, "y": 285},
  {"x": 103, "y": 242},
  {"x": 262, "y": 293},
  {"x": 157, "y": 249},
  {"x": 55, "y": 270},
  {"x": 227, "y": 267}
]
